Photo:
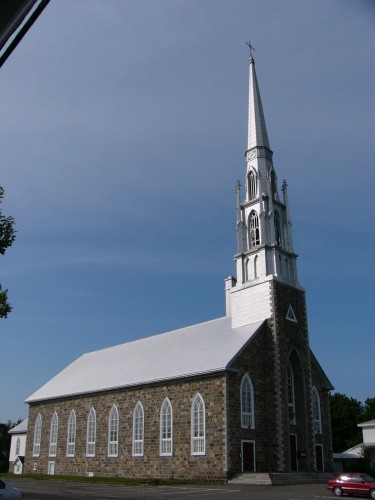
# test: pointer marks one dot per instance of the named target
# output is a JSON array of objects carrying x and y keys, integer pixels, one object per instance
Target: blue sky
[{"x": 123, "y": 131}]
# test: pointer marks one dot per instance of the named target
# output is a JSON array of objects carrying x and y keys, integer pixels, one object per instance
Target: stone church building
[{"x": 241, "y": 393}]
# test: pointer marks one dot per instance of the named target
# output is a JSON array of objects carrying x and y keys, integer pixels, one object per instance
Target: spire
[{"x": 257, "y": 131}]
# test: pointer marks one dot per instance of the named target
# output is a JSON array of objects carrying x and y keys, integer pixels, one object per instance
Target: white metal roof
[
  {"x": 198, "y": 349},
  {"x": 20, "y": 428}
]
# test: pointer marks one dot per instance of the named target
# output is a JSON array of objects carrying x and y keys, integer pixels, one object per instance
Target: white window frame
[
  {"x": 52, "y": 451},
  {"x": 317, "y": 416},
  {"x": 138, "y": 431},
  {"x": 254, "y": 229},
  {"x": 91, "y": 433},
  {"x": 18, "y": 446},
  {"x": 252, "y": 183},
  {"x": 198, "y": 426},
  {"x": 247, "y": 403},
  {"x": 71, "y": 435},
  {"x": 113, "y": 428},
  {"x": 166, "y": 429},
  {"x": 37, "y": 436}
]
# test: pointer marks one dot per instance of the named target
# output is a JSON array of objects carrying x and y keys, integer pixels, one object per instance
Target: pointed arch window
[
  {"x": 138, "y": 430},
  {"x": 53, "y": 436},
  {"x": 113, "y": 426},
  {"x": 198, "y": 423},
  {"x": 18, "y": 446},
  {"x": 91, "y": 434},
  {"x": 291, "y": 396},
  {"x": 317, "y": 419},
  {"x": 252, "y": 185},
  {"x": 254, "y": 229},
  {"x": 256, "y": 267},
  {"x": 166, "y": 428},
  {"x": 276, "y": 220},
  {"x": 37, "y": 436},
  {"x": 247, "y": 403},
  {"x": 71, "y": 436}
]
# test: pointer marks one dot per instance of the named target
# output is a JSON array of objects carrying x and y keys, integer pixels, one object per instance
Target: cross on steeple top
[{"x": 251, "y": 49}]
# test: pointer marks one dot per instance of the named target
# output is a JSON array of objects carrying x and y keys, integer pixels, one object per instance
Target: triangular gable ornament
[{"x": 290, "y": 316}]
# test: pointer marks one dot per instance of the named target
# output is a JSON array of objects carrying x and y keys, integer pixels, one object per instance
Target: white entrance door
[{"x": 51, "y": 468}]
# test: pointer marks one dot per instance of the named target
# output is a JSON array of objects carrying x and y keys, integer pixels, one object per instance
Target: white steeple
[{"x": 265, "y": 248}]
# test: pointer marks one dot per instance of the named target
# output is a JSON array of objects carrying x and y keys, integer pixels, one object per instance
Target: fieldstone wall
[
  {"x": 258, "y": 361},
  {"x": 293, "y": 345},
  {"x": 182, "y": 464}
]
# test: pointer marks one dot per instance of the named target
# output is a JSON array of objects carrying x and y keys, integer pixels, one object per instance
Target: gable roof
[
  {"x": 196, "y": 350},
  {"x": 21, "y": 428}
]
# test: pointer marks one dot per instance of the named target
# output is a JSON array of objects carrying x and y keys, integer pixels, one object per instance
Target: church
[{"x": 238, "y": 394}]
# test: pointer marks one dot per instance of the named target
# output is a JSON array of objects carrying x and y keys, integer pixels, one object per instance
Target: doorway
[
  {"x": 248, "y": 456},
  {"x": 51, "y": 468},
  {"x": 293, "y": 452},
  {"x": 319, "y": 458}
]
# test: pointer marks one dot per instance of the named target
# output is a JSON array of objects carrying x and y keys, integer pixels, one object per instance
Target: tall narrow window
[
  {"x": 291, "y": 396},
  {"x": 247, "y": 403},
  {"x": 317, "y": 419},
  {"x": 53, "y": 435},
  {"x": 247, "y": 269},
  {"x": 71, "y": 435},
  {"x": 91, "y": 434},
  {"x": 276, "y": 220},
  {"x": 252, "y": 185},
  {"x": 18, "y": 446},
  {"x": 113, "y": 424},
  {"x": 254, "y": 229},
  {"x": 37, "y": 436},
  {"x": 138, "y": 430},
  {"x": 166, "y": 423},
  {"x": 255, "y": 267},
  {"x": 198, "y": 431}
]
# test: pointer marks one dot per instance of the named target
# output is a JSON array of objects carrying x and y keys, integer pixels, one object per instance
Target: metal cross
[{"x": 251, "y": 49}]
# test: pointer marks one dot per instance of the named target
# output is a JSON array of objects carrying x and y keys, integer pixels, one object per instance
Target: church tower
[
  {"x": 266, "y": 288},
  {"x": 264, "y": 229}
]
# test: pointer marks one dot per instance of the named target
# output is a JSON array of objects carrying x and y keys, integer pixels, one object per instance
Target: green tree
[
  {"x": 369, "y": 410},
  {"x": 7, "y": 236},
  {"x": 346, "y": 414}
]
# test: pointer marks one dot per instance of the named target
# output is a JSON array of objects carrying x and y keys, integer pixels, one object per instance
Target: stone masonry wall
[
  {"x": 257, "y": 361},
  {"x": 210, "y": 467}
]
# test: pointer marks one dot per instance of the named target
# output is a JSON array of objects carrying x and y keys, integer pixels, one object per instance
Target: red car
[{"x": 352, "y": 483}]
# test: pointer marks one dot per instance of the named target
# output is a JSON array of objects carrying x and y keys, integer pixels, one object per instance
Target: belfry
[{"x": 240, "y": 394}]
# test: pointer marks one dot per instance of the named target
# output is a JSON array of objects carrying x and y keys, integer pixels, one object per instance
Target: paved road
[{"x": 61, "y": 490}]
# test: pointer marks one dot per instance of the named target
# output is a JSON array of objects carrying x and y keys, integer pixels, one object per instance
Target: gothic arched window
[
  {"x": 254, "y": 235},
  {"x": 198, "y": 431},
  {"x": 18, "y": 446},
  {"x": 317, "y": 419},
  {"x": 252, "y": 185},
  {"x": 53, "y": 436},
  {"x": 37, "y": 436},
  {"x": 291, "y": 396},
  {"x": 91, "y": 434},
  {"x": 138, "y": 430},
  {"x": 166, "y": 428},
  {"x": 256, "y": 267},
  {"x": 247, "y": 403},
  {"x": 113, "y": 432},
  {"x": 71, "y": 437}
]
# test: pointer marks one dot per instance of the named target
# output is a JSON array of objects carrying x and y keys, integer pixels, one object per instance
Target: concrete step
[{"x": 251, "y": 478}]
